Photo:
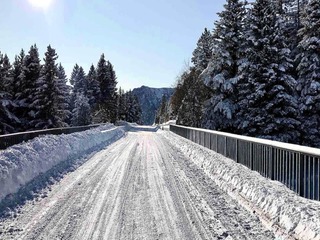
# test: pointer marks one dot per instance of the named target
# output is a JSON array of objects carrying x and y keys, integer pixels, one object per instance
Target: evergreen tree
[
  {"x": 122, "y": 105},
  {"x": 6, "y": 74},
  {"x": 7, "y": 118},
  {"x": 93, "y": 93},
  {"x": 74, "y": 74},
  {"x": 309, "y": 74},
  {"x": 162, "y": 113},
  {"x": 133, "y": 109},
  {"x": 111, "y": 93},
  {"x": 267, "y": 98},
  {"x": 79, "y": 80},
  {"x": 179, "y": 94},
  {"x": 63, "y": 96},
  {"x": 48, "y": 110},
  {"x": 26, "y": 87},
  {"x": 102, "y": 78},
  {"x": 108, "y": 97},
  {"x": 202, "y": 54},
  {"x": 81, "y": 114},
  {"x": 16, "y": 71},
  {"x": 81, "y": 83},
  {"x": 190, "y": 112},
  {"x": 222, "y": 73}
]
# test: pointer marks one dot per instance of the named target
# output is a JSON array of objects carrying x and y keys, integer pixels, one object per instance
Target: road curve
[{"x": 140, "y": 187}]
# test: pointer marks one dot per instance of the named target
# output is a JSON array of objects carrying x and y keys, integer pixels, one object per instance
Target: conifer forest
[
  {"x": 257, "y": 73},
  {"x": 35, "y": 95}
]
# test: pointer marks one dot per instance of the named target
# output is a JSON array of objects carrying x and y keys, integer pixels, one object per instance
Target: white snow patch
[
  {"x": 277, "y": 206},
  {"x": 21, "y": 163}
]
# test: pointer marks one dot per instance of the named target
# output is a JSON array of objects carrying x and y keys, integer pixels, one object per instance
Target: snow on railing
[
  {"x": 15, "y": 138},
  {"x": 298, "y": 167}
]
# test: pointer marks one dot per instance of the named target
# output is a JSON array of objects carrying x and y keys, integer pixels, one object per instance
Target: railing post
[
  {"x": 251, "y": 155},
  {"x": 271, "y": 166},
  {"x": 301, "y": 176},
  {"x": 225, "y": 146},
  {"x": 236, "y": 150}
]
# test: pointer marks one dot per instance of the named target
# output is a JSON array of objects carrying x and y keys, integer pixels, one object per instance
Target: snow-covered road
[{"x": 140, "y": 187}]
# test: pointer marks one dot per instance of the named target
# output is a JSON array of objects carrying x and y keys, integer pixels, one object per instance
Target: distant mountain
[{"x": 150, "y": 100}]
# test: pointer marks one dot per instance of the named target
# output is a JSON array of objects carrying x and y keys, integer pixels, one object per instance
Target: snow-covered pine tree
[
  {"x": 190, "y": 112},
  {"x": 81, "y": 114},
  {"x": 63, "y": 95},
  {"x": 16, "y": 70},
  {"x": 309, "y": 74},
  {"x": 81, "y": 83},
  {"x": 222, "y": 73},
  {"x": 102, "y": 78},
  {"x": 6, "y": 74},
  {"x": 267, "y": 106},
  {"x": 26, "y": 87},
  {"x": 122, "y": 105},
  {"x": 7, "y": 119},
  {"x": 108, "y": 98},
  {"x": 93, "y": 93},
  {"x": 74, "y": 74},
  {"x": 133, "y": 109},
  {"x": 178, "y": 95},
  {"x": 202, "y": 54},
  {"x": 290, "y": 12},
  {"x": 73, "y": 77},
  {"x": 162, "y": 113},
  {"x": 47, "y": 97},
  {"x": 137, "y": 110},
  {"x": 79, "y": 80},
  {"x": 111, "y": 93}
]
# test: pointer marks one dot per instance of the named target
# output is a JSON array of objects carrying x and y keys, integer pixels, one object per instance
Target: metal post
[
  {"x": 271, "y": 163},
  {"x": 301, "y": 175},
  {"x": 236, "y": 150}
]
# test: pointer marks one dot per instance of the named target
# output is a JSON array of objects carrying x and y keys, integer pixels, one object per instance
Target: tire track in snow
[{"x": 140, "y": 187}]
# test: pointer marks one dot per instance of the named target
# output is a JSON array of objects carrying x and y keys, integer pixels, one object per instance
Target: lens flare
[{"x": 41, "y": 4}]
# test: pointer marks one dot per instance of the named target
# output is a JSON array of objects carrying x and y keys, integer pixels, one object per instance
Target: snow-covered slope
[
  {"x": 21, "y": 163},
  {"x": 150, "y": 100},
  {"x": 277, "y": 206}
]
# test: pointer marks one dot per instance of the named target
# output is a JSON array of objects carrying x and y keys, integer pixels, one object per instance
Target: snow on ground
[
  {"x": 23, "y": 162},
  {"x": 140, "y": 187},
  {"x": 166, "y": 126},
  {"x": 278, "y": 207}
]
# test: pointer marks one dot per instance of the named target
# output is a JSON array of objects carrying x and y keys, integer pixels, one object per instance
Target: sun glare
[{"x": 41, "y": 4}]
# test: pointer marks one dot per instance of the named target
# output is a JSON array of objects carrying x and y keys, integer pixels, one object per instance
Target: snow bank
[
  {"x": 21, "y": 163},
  {"x": 166, "y": 125},
  {"x": 281, "y": 209}
]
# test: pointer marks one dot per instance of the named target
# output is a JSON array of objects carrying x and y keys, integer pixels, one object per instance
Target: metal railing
[
  {"x": 15, "y": 138},
  {"x": 296, "y": 166}
]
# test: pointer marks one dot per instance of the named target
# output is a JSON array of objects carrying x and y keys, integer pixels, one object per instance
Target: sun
[{"x": 41, "y": 4}]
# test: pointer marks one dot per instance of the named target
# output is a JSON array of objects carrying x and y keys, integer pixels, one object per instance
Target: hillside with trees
[
  {"x": 37, "y": 95},
  {"x": 257, "y": 73}
]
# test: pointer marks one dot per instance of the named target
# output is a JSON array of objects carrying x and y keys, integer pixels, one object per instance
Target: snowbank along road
[{"x": 140, "y": 187}]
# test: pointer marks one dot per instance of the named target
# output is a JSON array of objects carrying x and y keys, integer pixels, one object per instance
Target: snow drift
[
  {"x": 21, "y": 163},
  {"x": 278, "y": 207}
]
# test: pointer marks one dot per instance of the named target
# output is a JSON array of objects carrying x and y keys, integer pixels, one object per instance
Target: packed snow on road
[{"x": 146, "y": 184}]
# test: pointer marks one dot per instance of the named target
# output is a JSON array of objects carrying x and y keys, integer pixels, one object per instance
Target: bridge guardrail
[
  {"x": 15, "y": 138},
  {"x": 296, "y": 166}
]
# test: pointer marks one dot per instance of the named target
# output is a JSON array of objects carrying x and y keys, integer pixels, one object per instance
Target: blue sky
[{"x": 147, "y": 41}]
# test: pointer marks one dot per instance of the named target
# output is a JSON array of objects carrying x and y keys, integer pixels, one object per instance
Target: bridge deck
[{"x": 140, "y": 187}]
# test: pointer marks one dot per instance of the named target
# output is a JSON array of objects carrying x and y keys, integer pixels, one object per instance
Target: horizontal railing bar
[
  {"x": 286, "y": 146},
  {"x": 16, "y": 138},
  {"x": 296, "y": 166}
]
